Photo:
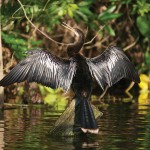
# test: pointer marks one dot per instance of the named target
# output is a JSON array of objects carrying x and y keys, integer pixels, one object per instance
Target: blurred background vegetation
[{"x": 126, "y": 24}]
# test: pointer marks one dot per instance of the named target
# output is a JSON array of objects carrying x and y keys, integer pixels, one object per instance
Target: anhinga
[{"x": 76, "y": 72}]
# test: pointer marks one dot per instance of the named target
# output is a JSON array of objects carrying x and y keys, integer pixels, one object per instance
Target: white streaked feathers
[
  {"x": 42, "y": 67},
  {"x": 111, "y": 66}
]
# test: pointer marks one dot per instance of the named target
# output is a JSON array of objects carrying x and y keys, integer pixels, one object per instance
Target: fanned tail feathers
[{"x": 87, "y": 119}]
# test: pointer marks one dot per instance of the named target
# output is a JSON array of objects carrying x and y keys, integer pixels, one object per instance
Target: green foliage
[
  {"x": 147, "y": 58},
  {"x": 110, "y": 30},
  {"x": 120, "y": 1},
  {"x": 83, "y": 12},
  {"x": 143, "y": 24},
  {"x": 142, "y": 8},
  {"x": 108, "y": 15},
  {"x": 49, "y": 13},
  {"x": 18, "y": 44},
  {"x": 116, "y": 15},
  {"x": 67, "y": 9},
  {"x": 21, "y": 91},
  {"x": 53, "y": 97},
  {"x": 92, "y": 19}
]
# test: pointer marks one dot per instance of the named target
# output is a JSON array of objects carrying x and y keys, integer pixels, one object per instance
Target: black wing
[
  {"x": 111, "y": 66},
  {"x": 42, "y": 67}
]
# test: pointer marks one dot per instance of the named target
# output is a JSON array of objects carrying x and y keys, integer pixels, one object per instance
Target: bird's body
[
  {"x": 76, "y": 72},
  {"x": 82, "y": 81},
  {"x": 82, "y": 87}
]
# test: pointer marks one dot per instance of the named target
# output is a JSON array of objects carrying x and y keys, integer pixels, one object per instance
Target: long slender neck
[{"x": 74, "y": 48}]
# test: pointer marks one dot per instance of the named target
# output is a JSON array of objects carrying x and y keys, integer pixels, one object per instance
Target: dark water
[{"x": 123, "y": 126}]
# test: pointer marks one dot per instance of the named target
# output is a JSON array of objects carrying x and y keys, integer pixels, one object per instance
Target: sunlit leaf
[
  {"x": 141, "y": 7},
  {"x": 21, "y": 91},
  {"x": 73, "y": 6},
  {"x": 61, "y": 12},
  {"x": 85, "y": 3},
  {"x": 145, "y": 81},
  {"x": 42, "y": 90},
  {"x": 143, "y": 100},
  {"x": 70, "y": 12},
  {"x": 36, "y": 8},
  {"x": 110, "y": 30},
  {"x": 56, "y": 101},
  {"x": 27, "y": 27},
  {"x": 111, "y": 9}
]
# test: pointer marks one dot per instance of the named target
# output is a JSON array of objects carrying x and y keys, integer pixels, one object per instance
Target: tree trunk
[{"x": 1, "y": 73}]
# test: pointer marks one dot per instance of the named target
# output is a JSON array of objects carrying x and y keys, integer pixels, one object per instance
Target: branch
[
  {"x": 94, "y": 36},
  {"x": 37, "y": 27},
  {"x": 131, "y": 45}
]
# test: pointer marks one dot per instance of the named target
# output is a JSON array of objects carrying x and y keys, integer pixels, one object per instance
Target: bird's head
[{"x": 75, "y": 47}]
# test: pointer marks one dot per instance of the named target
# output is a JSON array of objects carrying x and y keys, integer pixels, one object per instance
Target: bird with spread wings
[{"x": 76, "y": 72}]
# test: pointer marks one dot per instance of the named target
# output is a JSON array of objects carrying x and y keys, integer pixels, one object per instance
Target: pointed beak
[{"x": 70, "y": 28}]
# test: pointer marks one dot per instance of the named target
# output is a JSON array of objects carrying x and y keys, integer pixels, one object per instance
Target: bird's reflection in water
[
  {"x": 84, "y": 142},
  {"x": 78, "y": 142}
]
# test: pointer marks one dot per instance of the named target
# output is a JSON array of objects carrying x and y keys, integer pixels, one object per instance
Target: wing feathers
[
  {"x": 42, "y": 67},
  {"x": 111, "y": 66}
]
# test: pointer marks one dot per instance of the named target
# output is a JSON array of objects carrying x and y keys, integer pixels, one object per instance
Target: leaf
[
  {"x": 145, "y": 80},
  {"x": 143, "y": 24},
  {"x": 42, "y": 89},
  {"x": 147, "y": 58},
  {"x": 86, "y": 11},
  {"x": 85, "y": 18},
  {"x": 143, "y": 7},
  {"x": 85, "y": 3},
  {"x": 73, "y": 6},
  {"x": 56, "y": 101},
  {"x": 110, "y": 30},
  {"x": 108, "y": 16},
  {"x": 111, "y": 9},
  {"x": 27, "y": 27},
  {"x": 70, "y": 13},
  {"x": 35, "y": 8},
  {"x": 61, "y": 12},
  {"x": 143, "y": 99},
  {"x": 36, "y": 43}
]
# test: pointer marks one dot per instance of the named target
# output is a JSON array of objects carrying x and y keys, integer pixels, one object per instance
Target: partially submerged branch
[{"x": 66, "y": 125}]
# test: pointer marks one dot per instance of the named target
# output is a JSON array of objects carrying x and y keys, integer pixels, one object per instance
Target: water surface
[{"x": 123, "y": 126}]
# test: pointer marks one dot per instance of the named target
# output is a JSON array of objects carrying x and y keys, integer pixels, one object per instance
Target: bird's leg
[
  {"x": 104, "y": 92},
  {"x": 129, "y": 87}
]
